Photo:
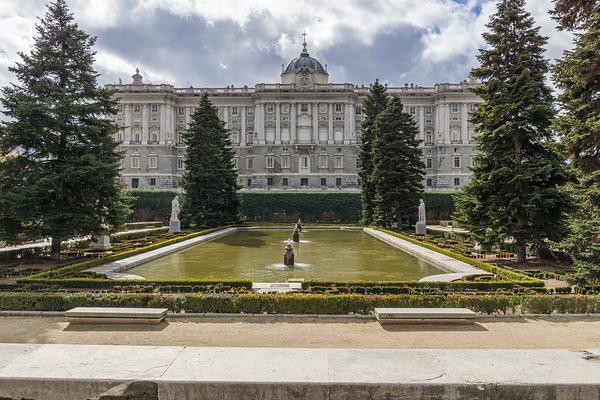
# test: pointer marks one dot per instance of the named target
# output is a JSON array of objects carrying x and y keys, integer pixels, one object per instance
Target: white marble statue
[
  {"x": 175, "y": 209},
  {"x": 422, "y": 211}
]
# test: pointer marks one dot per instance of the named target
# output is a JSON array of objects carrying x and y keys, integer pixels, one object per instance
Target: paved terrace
[{"x": 64, "y": 372}]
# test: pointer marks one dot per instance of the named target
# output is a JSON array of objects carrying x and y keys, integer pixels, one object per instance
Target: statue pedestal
[
  {"x": 421, "y": 228},
  {"x": 174, "y": 226},
  {"x": 101, "y": 242}
]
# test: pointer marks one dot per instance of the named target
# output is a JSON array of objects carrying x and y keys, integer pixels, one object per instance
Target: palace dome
[{"x": 304, "y": 61}]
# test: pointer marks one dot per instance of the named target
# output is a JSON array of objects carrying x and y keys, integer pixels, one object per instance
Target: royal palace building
[{"x": 301, "y": 133}]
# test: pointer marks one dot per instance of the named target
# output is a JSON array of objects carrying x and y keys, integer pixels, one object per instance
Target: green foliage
[
  {"x": 331, "y": 206},
  {"x": 576, "y": 74},
  {"x": 373, "y": 105},
  {"x": 398, "y": 169},
  {"x": 299, "y": 303},
  {"x": 514, "y": 190},
  {"x": 58, "y": 161},
  {"x": 210, "y": 179}
]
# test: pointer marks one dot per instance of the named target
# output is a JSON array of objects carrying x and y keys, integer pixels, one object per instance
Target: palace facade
[{"x": 301, "y": 133}]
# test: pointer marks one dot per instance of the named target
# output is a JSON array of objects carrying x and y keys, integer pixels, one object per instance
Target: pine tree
[
  {"x": 398, "y": 170},
  {"x": 514, "y": 189},
  {"x": 58, "y": 161},
  {"x": 210, "y": 179},
  {"x": 373, "y": 105},
  {"x": 577, "y": 77}
]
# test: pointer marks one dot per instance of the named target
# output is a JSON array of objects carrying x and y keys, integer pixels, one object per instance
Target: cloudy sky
[{"x": 243, "y": 42}]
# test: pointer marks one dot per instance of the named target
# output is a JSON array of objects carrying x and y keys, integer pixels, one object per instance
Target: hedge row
[
  {"x": 301, "y": 303},
  {"x": 332, "y": 206},
  {"x": 514, "y": 277}
]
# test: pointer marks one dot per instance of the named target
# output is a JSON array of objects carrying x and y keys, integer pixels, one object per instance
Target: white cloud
[
  {"x": 114, "y": 67},
  {"x": 223, "y": 65}
]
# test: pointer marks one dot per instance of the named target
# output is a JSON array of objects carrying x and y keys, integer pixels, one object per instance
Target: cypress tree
[
  {"x": 577, "y": 77},
  {"x": 373, "y": 105},
  {"x": 398, "y": 170},
  {"x": 58, "y": 161},
  {"x": 514, "y": 189},
  {"x": 209, "y": 179}
]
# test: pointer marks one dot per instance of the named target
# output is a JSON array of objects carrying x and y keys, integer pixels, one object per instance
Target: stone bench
[
  {"x": 425, "y": 316},
  {"x": 276, "y": 287},
  {"x": 115, "y": 315}
]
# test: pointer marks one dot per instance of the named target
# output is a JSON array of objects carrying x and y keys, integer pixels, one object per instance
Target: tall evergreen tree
[
  {"x": 58, "y": 161},
  {"x": 210, "y": 179},
  {"x": 514, "y": 189},
  {"x": 576, "y": 74},
  {"x": 398, "y": 170},
  {"x": 373, "y": 105}
]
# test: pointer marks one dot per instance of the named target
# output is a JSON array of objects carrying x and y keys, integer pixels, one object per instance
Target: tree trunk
[
  {"x": 521, "y": 254},
  {"x": 55, "y": 248}
]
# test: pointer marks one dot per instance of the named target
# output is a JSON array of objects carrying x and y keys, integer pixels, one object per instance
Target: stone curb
[{"x": 176, "y": 316}]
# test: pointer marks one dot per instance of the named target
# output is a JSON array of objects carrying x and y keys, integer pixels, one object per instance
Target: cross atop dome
[{"x": 304, "y": 44}]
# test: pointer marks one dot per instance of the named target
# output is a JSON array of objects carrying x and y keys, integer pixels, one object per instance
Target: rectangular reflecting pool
[{"x": 257, "y": 255}]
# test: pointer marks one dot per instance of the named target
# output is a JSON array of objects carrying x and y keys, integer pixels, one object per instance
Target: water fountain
[
  {"x": 296, "y": 236},
  {"x": 299, "y": 225},
  {"x": 288, "y": 256}
]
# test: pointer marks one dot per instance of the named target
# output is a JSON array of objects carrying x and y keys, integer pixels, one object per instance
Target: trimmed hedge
[
  {"x": 330, "y": 206},
  {"x": 515, "y": 277},
  {"x": 301, "y": 303}
]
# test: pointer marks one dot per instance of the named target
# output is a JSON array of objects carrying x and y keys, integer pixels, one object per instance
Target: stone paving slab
[
  {"x": 438, "y": 259},
  {"x": 282, "y": 373}
]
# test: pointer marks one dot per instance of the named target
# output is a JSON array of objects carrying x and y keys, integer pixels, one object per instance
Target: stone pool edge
[
  {"x": 113, "y": 270},
  {"x": 457, "y": 269}
]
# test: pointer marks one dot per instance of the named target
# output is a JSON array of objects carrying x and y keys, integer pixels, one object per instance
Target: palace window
[
  {"x": 454, "y": 107},
  {"x": 303, "y": 107},
  {"x": 154, "y": 136},
  {"x": 428, "y": 139},
  {"x": 412, "y": 110},
  {"x": 339, "y": 162},
  {"x": 304, "y": 162},
  {"x": 119, "y": 136},
  {"x": 152, "y": 162},
  {"x": 152, "y": 181},
  {"x": 428, "y": 110},
  {"x": 135, "y": 183},
  {"x": 323, "y": 182},
  {"x": 429, "y": 182},
  {"x": 270, "y": 107},
  {"x": 472, "y": 161},
  {"x": 120, "y": 108},
  {"x": 269, "y": 181},
  {"x": 235, "y": 138},
  {"x": 250, "y": 111},
  {"x": 457, "y": 162},
  {"x": 456, "y": 181},
  {"x": 338, "y": 181},
  {"x": 472, "y": 107},
  {"x": 303, "y": 181},
  {"x": 358, "y": 110},
  {"x": 234, "y": 111},
  {"x": 154, "y": 108},
  {"x": 338, "y": 107},
  {"x": 249, "y": 181},
  {"x": 270, "y": 162},
  {"x": 322, "y": 161},
  {"x": 235, "y": 163},
  {"x": 249, "y": 138},
  {"x": 180, "y": 163},
  {"x": 429, "y": 163},
  {"x": 285, "y": 162},
  {"x": 135, "y": 162},
  {"x": 136, "y": 108},
  {"x": 180, "y": 110},
  {"x": 285, "y": 108},
  {"x": 136, "y": 137},
  {"x": 249, "y": 163},
  {"x": 284, "y": 182}
]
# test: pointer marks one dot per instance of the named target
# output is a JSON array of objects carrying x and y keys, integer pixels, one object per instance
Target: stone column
[
  {"x": 188, "y": 116},
  {"x": 347, "y": 123},
  {"x": 277, "y": 123},
  {"x": 330, "y": 121},
  {"x": 172, "y": 120},
  {"x": 447, "y": 123},
  {"x": 127, "y": 138},
  {"x": 163, "y": 125},
  {"x": 242, "y": 135},
  {"x": 464, "y": 123},
  {"x": 293, "y": 138},
  {"x": 437, "y": 123},
  {"x": 226, "y": 116},
  {"x": 422, "y": 123},
  {"x": 145, "y": 135},
  {"x": 315, "y": 122},
  {"x": 259, "y": 123}
]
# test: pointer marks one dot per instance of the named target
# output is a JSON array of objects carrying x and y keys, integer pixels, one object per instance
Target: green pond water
[{"x": 257, "y": 255}]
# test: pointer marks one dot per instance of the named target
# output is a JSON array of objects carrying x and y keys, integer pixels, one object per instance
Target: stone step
[{"x": 115, "y": 315}]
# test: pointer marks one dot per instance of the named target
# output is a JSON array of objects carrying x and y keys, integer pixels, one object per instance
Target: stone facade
[{"x": 302, "y": 133}]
